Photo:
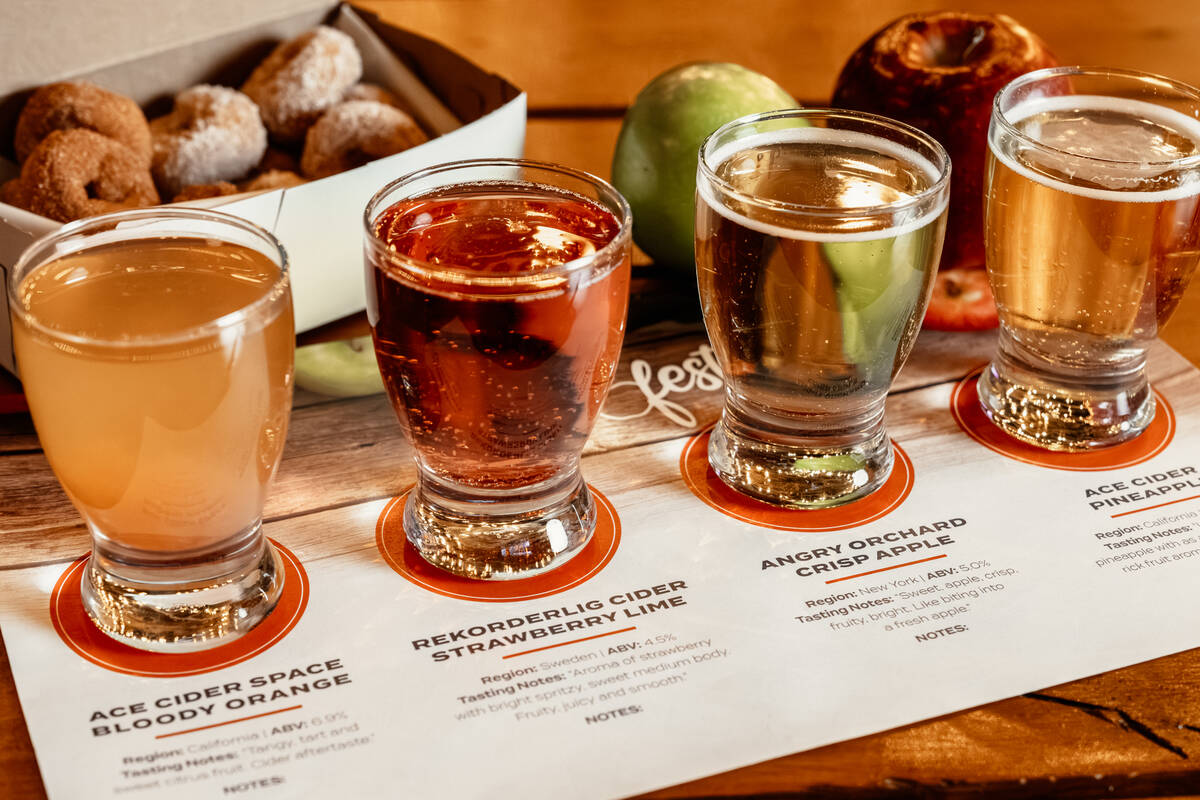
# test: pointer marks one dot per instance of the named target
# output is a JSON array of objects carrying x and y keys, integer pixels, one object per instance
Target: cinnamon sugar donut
[
  {"x": 12, "y": 193},
  {"x": 203, "y": 191},
  {"x": 301, "y": 78},
  {"x": 273, "y": 179},
  {"x": 213, "y": 134},
  {"x": 371, "y": 91},
  {"x": 73, "y": 104},
  {"x": 79, "y": 173},
  {"x": 353, "y": 133}
]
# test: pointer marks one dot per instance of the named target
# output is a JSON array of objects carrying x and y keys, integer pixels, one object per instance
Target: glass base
[
  {"x": 168, "y": 615},
  {"x": 1058, "y": 413},
  {"x": 490, "y": 536},
  {"x": 796, "y": 473}
]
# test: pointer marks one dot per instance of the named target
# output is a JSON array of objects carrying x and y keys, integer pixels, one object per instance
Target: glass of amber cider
[
  {"x": 497, "y": 293},
  {"x": 818, "y": 234},
  {"x": 1092, "y": 234},
  {"x": 155, "y": 348}
]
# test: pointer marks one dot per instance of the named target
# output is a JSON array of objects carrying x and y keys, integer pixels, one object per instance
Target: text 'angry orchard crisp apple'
[{"x": 497, "y": 299}]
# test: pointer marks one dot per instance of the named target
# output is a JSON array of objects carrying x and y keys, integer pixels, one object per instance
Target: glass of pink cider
[
  {"x": 155, "y": 348},
  {"x": 497, "y": 293}
]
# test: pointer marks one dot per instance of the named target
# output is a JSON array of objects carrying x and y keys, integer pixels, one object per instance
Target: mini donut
[
  {"x": 301, "y": 78},
  {"x": 213, "y": 134},
  {"x": 69, "y": 105},
  {"x": 275, "y": 159},
  {"x": 273, "y": 179},
  {"x": 371, "y": 91},
  {"x": 351, "y": 134},
  {"x": 12, "y": 193},
  {"x": 203, "y": 191},
  {"x": 79, "y": 173}
]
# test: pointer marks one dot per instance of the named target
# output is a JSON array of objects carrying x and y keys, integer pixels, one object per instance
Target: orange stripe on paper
[
  {"x": 1160, "y": 505},
  {"x": 573, "y": 641},
  {"x": 227, "y": 722},
  {"x": 885, "y": 569}
]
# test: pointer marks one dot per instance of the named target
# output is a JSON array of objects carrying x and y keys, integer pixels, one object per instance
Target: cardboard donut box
[{"x": 466, "y": 111}]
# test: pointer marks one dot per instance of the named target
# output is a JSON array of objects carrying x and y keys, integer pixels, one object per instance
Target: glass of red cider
[{"x": 497, "y": 293}]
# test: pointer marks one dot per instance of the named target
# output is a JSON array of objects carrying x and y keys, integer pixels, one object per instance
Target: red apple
[
  {"x": 940, "y": 72},
  {"x": 961, "y": 301}
]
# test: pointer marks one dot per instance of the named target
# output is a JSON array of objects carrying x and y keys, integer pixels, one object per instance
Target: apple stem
[{"x": 977, "y": 37}]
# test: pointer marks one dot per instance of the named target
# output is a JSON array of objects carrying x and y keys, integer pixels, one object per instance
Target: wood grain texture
[{"x": 19, "y": 776}]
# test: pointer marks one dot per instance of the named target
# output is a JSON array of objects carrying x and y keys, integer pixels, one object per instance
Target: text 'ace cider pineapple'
[
  {"x": 498, "y": 371},
  {"x": 1088, "y": 258},
  {"x": 816, "y": 320},
  {"x": 158, "y": 452}
]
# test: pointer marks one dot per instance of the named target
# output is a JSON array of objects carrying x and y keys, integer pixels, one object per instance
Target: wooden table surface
[{"x": 1133, "y": 732}]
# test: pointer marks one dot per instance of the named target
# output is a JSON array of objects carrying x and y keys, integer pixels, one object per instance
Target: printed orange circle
[
  {"x": 401, "y": 556},
  {"x": 968, "y": 413},
  {"x": 705, "y": 484},
  {"x": 80, "y": 634}
]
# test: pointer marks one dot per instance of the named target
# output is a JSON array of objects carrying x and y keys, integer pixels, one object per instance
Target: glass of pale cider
[
  {"x": 818, "y": 234},
  {"x": 497, "y": 292},
  {"x": 1092, "y": 232},
  {"x": 155, "y": 347}
]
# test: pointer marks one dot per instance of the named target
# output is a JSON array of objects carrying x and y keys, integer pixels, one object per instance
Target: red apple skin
[{"x": 940, "y": 72}]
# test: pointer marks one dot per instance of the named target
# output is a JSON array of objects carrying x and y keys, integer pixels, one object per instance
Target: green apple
[
  {"x": 878, "y": 282},
  {"x": 654, "y": 166},
  {"x": 846, "y": 462},
  {"x": 345, "y": 368}
]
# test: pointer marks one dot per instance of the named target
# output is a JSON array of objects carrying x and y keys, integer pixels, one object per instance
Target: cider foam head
[
  {"x": 1103, "y": 148},
  {"x": 858, "y": 176}
]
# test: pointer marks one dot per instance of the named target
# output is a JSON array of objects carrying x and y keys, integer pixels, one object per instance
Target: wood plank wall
[{"x": 582, "y": 59}]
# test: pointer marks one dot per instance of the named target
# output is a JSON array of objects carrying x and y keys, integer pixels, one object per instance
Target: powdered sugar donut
[
  {"x": 214, "y": 134},
  {"x": 75, "y": 104},
  {"x": 353, "y": 133},
  {"x": 78, "y": 173},
  {"x": 301, "y": 78},
  {"x": 371, "y": 91}
]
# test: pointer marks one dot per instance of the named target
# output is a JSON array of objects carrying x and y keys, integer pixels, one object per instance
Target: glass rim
[
  {"x": 1021, "y": 81},
  {"x": 468, "y": 277},
  {"x": 939, "y": 185},
  {"x": 22, "y": 269}
]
